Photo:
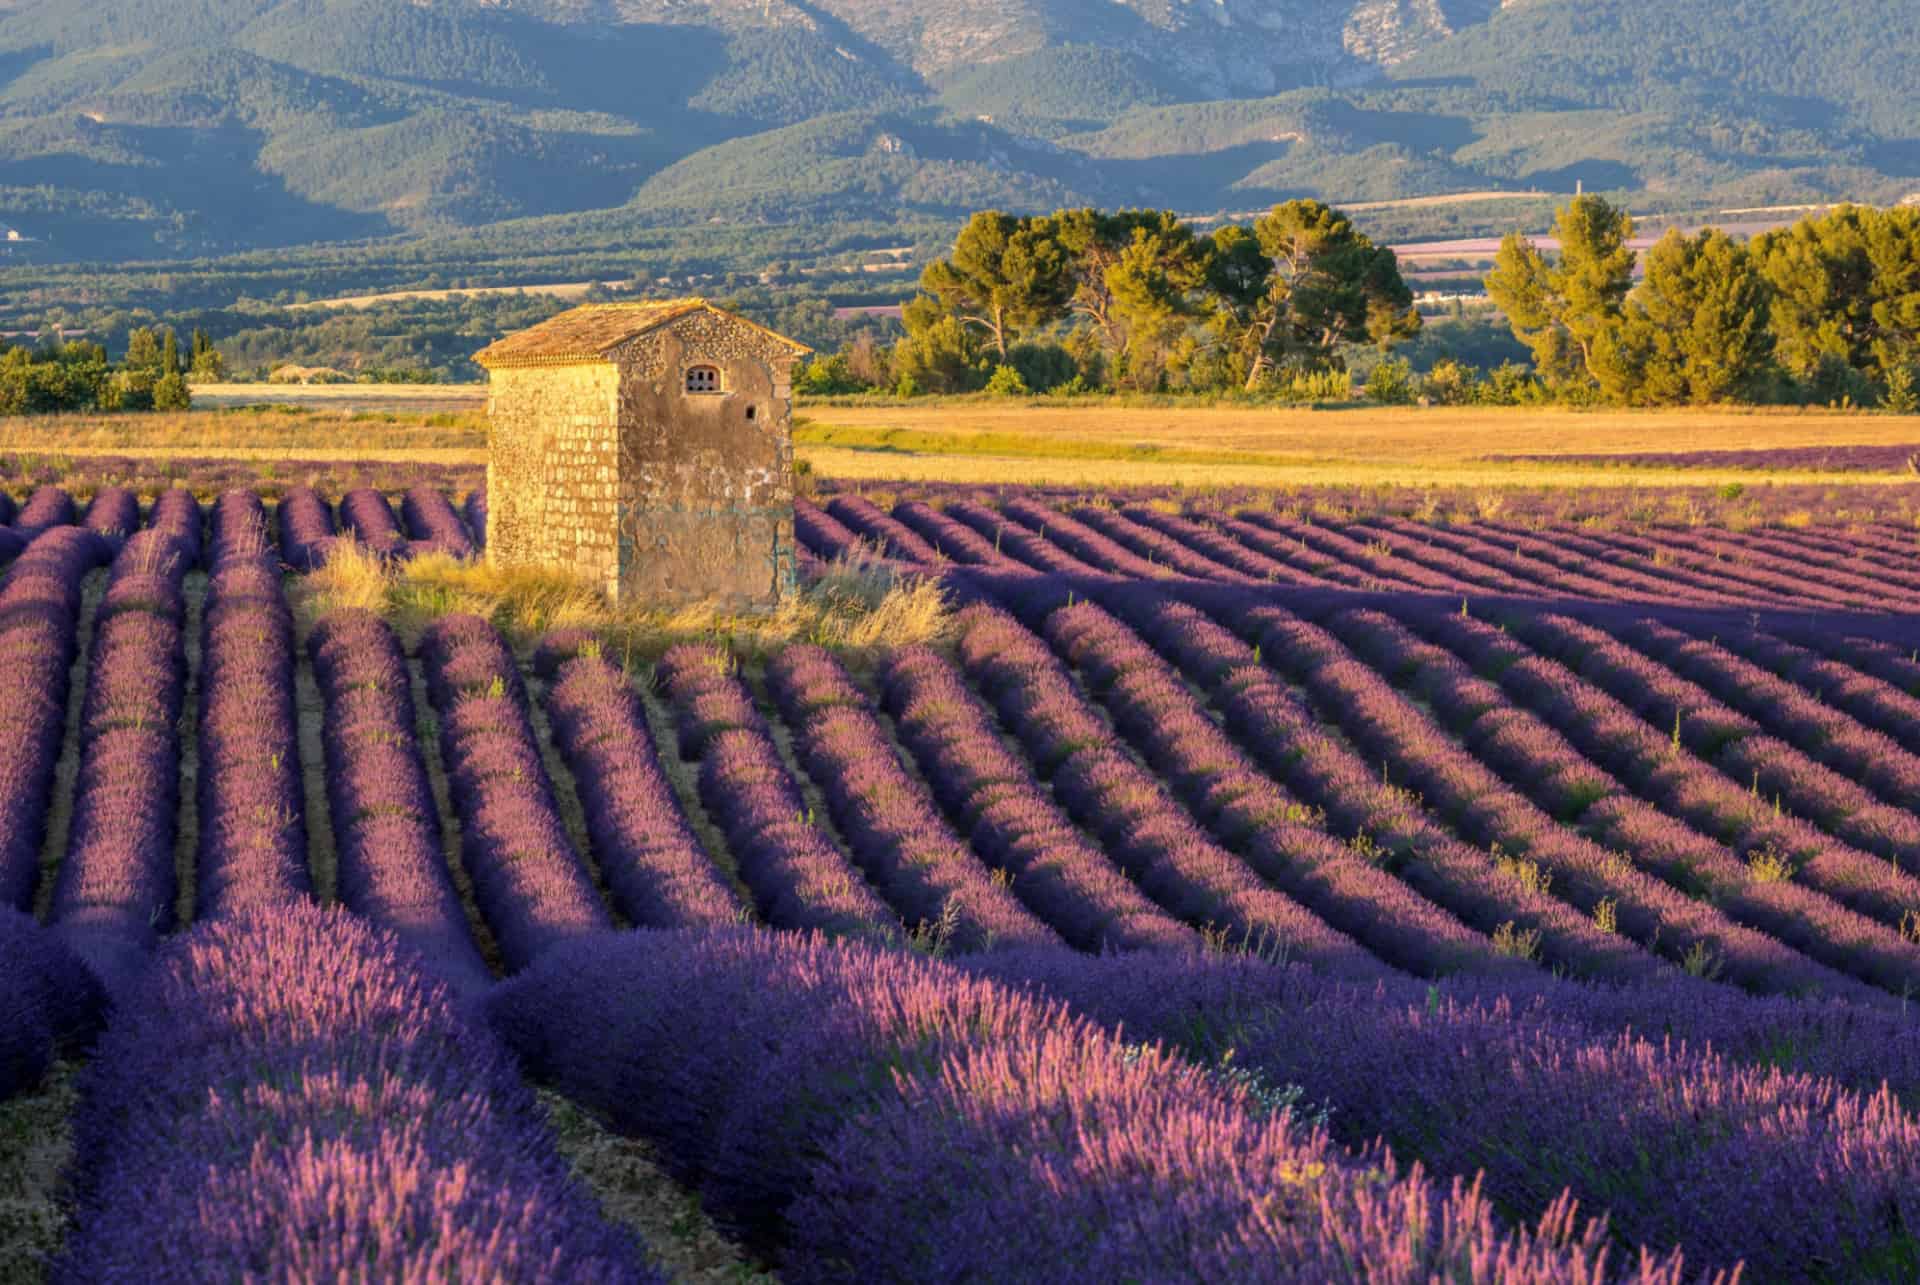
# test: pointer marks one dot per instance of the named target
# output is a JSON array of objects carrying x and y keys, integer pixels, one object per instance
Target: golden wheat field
[{"x": 1081, "y": 443}]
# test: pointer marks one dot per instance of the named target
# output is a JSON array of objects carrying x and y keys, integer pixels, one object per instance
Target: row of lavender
[
  {"x": 1864, "y": 567},
  {"x": 717, "y": 707},
  {"x": 330, "y": 1148},
  {"x": 272, "y": 1194},
  {"x": 736, "y": 719},
  {"x": 307, "y": 523}
]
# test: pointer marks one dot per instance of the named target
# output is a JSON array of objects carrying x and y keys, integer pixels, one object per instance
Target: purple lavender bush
[
  {"x": 47, "y": 507},
  {"x": 252, "y": 836},
  {"x": 799, "y": 878},
  {"x": 390, "y": 865},
  {"x": 114, "y": 893},
  {"x": 289, "y": 1094},
  {"x": 652, "y": 860},
  {"x": 306, "y": 528},
  {"x": 39, "y": 624},
  {"x": 431, "y": 520},
  {"x": 48, "y": 1000},
  {"x": 531, "y": 885},
  {"x": 872, "y": 1115},
  {"x": 926, "y": 871}
]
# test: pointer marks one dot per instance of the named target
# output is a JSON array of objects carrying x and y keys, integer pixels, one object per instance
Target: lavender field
[{"x": 1232, "y": 892}]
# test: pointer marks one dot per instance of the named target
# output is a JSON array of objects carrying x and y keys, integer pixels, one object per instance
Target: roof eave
[{"x": 510, "y": 362}]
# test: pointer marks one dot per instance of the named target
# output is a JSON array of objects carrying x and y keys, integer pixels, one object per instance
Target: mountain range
[{"x": 157, "y": 128}]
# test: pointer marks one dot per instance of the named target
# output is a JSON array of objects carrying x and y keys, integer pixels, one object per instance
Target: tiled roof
[{"x": 587, "y": 334}]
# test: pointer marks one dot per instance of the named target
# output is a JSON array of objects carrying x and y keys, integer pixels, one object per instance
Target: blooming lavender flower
[
  {"x": 867, "y": 520},
  {"x": 652, "y": 861},
  {"x": 367, "y": 514},
  {"x": 821, "y": 534},
  {"x": 950, "y": 539},
  {"x": 926, "y": 872},
  {"x": 39, "y": 624},
  {"x": 306, "y": 528},
  {"x": 252, "y": 835},
  {"x": 114, "y": 891},
  {"x": 386, "y": 825},
  {"x": 862, "y": 1113},
  {"x": 289, "y": 1094},
  {"x": 113, "y": 513},
  {"x": 431, "y": 520},
  {"x": 1058, "y": 872},
  {"x": 1129, "y": 810},
  {"x": 531, "y": 885},
  {"x": 1281, "y": 836},
  {"x": 47, "y": 507},
  {"x": 798, "y": 877},
  {"x": 1543, "y": 1094},
  {"x": 48, "y": 1000}
]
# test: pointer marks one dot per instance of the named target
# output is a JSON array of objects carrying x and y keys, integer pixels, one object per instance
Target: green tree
[
  {"x": 169, "y": 353},
  {"x": 1563, "y": 309},
  {"x": 1156, "y": 287},
  {"x": 1846, "y": 289},
  {"x": 1132, "y": 268},
  {"x": 1303, "y": 282},
  {"x": 170, "y": 392},
  {"x": 1699, "y": 321},
  {"x": 1006, "y": 275},
  {"x": 144, "y": 351},
  {"x": 207, "y": 364},
  {"x": 938, "y": 354}
]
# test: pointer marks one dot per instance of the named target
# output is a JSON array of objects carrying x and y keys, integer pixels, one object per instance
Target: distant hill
[{"x": 158, "y": 128}]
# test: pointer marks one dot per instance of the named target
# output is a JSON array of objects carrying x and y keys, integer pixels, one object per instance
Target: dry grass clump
[{"x": 856, "y": 605}]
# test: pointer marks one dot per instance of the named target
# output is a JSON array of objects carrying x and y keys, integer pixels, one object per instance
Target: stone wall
[
  {"x": 553, "y": 474},
  {"x": 706, "y": 493}
]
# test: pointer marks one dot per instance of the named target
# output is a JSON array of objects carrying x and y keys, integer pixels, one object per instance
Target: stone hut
[{"x": 648, "y": 446}]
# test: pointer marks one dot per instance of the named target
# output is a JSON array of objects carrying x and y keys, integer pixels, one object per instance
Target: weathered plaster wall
[
  {"x": 706, "y": 494},
  {"x": 553, "y": 471}
]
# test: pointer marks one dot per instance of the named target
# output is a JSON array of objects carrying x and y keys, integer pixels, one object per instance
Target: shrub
[
  {"x": 1392, "y": 383},
  {"x": 1006, "y": 382}
]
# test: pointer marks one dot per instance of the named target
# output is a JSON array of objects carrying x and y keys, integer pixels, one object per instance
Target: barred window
[{"x": 703, "y": 379}]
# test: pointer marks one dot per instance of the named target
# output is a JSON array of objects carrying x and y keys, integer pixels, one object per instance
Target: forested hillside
[{"x": 143, "y": 129}]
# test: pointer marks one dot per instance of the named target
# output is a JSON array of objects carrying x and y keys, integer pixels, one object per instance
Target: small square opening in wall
[
  {"x": 703, "y": 379},
  {"x": 749, "y": 412}
]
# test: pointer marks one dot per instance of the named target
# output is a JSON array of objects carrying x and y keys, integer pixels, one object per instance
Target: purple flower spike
[{"x": 290, "y": 1095}]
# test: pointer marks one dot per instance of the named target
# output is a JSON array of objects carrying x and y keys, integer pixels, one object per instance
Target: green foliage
[
  {"x": 145, "y": 351},
  {"x": 938, "y": 353},
  {"x": 1061, "y": 85},
  {"x": 1822, "y": 311},
  {"x": 1005, "y": 276},
  {"x": 1007, "y": 382},
  {"x": 1134, "y": 274},
  {"x": 1302, "y": 282},
  {"x": 1901, "y": 396},
  {"x": 1846, "y": 289},
  {"x": 170, "y": 393},
  {"x": 1699, "y": 322},
  {"x": 1392, "y": 383},
  {"x": 1569, "y": 311},
  {"x": 1044, "y": 367},
  {"x": 1449, "y": 383},
  {"x": 827, "y": 375}
]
